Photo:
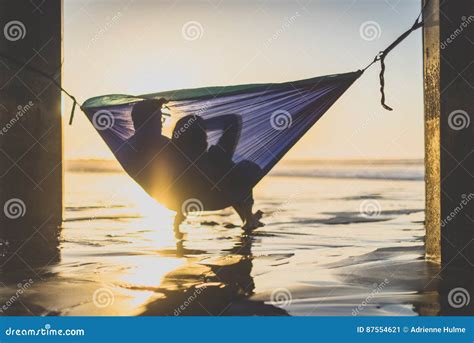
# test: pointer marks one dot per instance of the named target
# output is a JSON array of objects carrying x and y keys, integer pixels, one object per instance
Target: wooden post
[
  {"x": 431, "y": 61},
  {"x": 30, "y": 132},
  {"x": 448, "y": 41},
  {"x": 448, "y": 44}
]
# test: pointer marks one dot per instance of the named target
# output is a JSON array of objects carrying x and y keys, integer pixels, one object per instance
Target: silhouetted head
[
  {"x": 190, "y": 136},
  {"x": 147, "y": 114}
]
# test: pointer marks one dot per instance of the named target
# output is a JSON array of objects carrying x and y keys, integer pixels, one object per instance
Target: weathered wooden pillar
[
  {"x": 448, "y": 47},
  {"x": 448, "y": 44},
  {"x": 431, "y": 61},
  {"x": 30, "y": 132}
]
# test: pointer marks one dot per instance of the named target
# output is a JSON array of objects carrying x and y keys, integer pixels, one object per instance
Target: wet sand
[{"x": 333, "y": 244}]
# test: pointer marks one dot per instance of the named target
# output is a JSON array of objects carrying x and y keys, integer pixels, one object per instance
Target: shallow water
[{"x": 335, "y": 243}]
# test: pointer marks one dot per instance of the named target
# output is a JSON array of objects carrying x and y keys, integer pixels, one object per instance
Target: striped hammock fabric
[{"x": 273, "y": 117}]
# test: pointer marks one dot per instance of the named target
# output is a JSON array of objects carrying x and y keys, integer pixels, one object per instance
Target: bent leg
[
  {"x": 249, "y": 219},
  {"x": 244, "y": 208},
  {"x": 178, "y": 219}
]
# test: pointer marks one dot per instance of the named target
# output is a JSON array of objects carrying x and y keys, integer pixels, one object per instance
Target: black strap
[
  {"x": 379, "y": 57},
  {"x": 382, "y": 54},
  {"x": 47, "y": 76}
]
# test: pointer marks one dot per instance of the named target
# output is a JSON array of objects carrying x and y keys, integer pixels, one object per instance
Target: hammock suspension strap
[
  {"x": 379, "y": 57},
  {"x": 382, "y": 54}
]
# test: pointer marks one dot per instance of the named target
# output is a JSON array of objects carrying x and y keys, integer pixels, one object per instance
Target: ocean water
[{"x": 341, "y": 238}]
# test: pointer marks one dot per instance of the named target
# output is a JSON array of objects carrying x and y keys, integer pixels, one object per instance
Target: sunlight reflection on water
[{"x": 315, "y": 243}]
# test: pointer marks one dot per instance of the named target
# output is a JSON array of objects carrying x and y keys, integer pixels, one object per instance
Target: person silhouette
[{"x": 175, "y": 170}]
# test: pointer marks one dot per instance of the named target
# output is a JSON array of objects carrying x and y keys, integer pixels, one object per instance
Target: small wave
[
  {"x": 400, "y": 175},
  {"x": 92, "y": 207},
  {"x": 113, "y": 217}
]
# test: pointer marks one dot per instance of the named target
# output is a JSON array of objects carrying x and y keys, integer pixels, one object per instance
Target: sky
[{"x": 145, "y": 46}]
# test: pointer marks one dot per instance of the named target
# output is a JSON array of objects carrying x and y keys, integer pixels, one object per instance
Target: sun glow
[{"x": 149, "y": 208}]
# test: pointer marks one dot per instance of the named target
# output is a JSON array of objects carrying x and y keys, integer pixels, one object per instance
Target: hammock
[{"x": 274, "y": 117}]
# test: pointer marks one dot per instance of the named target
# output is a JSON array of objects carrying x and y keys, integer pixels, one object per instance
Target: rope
[
  {"x": 46, "y": 76},
  {"x": 383, "y": 54},
  {"x": 379, "y": 57}
]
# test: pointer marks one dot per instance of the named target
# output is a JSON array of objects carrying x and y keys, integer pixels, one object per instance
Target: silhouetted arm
[{"x": 231, "y": 125}]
